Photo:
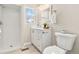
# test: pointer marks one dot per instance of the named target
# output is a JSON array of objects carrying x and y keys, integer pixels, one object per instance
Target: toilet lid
[{"x": 54, "y": 50}]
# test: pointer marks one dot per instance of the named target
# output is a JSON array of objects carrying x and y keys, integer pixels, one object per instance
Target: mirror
[{"x": 47, "y": 15}]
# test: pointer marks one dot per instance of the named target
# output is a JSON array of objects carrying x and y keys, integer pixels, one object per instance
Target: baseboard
[{"x": 26, "y": 45}]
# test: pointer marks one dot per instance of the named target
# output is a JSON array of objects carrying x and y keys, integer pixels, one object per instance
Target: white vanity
[
  {"x": 41, "y": 28},
  {"x": 41, "y": 38}
]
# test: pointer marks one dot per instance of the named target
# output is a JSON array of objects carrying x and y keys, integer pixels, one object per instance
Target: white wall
[
  {"x": 68, "y": 16},
  {"x": 25, "y": 27}
]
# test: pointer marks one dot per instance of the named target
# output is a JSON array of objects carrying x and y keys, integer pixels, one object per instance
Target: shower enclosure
[{"x": 9, "y": 28}]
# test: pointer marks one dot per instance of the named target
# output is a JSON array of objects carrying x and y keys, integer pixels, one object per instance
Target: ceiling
[{"x": 30, "y": 5}]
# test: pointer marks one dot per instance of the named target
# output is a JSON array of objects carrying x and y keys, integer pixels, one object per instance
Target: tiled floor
[{"x": 31, "y": 50}]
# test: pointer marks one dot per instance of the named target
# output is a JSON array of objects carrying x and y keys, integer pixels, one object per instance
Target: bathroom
[{"x": 30, "y": 28}]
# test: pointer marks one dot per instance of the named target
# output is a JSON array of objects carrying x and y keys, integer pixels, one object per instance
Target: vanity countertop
[{"x": 40, "y": 28}]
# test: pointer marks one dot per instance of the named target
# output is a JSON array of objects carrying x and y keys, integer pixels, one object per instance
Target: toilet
[{"x": 64, "y": 41}]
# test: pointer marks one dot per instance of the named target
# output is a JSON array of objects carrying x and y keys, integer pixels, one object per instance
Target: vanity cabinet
[{"x": 41, "y": 38}]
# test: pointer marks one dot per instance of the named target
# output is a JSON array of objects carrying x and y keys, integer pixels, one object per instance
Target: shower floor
[{"x": 31, "y": 50}]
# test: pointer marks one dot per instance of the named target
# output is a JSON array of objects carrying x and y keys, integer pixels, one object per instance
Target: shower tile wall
[{"x": 10, "y": 17}]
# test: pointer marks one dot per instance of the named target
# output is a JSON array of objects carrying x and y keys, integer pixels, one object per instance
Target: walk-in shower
[{"x": 9, "y": 28}]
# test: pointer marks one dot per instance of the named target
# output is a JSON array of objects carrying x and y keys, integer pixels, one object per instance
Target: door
[{"x": 11, "y": 27}]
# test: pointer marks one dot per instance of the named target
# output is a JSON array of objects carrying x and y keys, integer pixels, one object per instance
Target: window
[{"x": 30, "y": 13}]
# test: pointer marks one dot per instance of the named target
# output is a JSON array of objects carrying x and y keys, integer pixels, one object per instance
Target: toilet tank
[{"x": 65, "y": 40}]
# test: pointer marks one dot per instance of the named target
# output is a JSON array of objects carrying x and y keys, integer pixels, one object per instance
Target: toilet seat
[{"x": 54, "y": 50}]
